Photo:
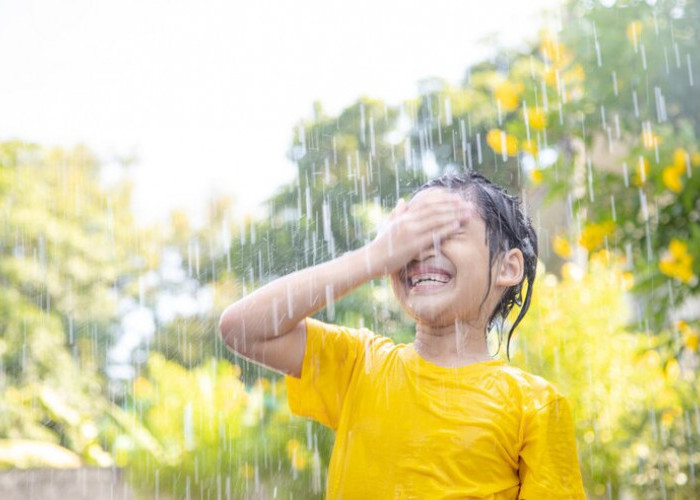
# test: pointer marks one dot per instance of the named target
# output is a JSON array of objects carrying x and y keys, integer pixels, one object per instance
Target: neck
[{"x": 458, "y": 344}]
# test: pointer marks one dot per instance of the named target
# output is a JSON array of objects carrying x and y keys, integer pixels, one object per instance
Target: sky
[{"x": 205, "y": 94}]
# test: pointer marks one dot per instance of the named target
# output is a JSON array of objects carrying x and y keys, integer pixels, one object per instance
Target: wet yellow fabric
[{"x": 409, "y": 429}]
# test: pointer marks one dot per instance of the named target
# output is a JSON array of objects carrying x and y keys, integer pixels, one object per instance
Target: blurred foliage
[
  {"x": 219, "y": 437},
  {"x": 65, "y": 244},
  {"x": 636, "y": 413}
]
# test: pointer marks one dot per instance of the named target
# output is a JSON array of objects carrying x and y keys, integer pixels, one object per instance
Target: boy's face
[{"x": 448, "y": 282}]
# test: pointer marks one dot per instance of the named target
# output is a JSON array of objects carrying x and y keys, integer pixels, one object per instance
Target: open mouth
[{"x": 422, "y": 279}]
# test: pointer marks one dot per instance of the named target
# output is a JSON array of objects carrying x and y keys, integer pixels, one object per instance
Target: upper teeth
[{"x": 440, "y": 278}]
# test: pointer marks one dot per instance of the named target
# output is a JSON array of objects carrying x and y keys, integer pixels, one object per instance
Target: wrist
[{"x": 372, "y": 260}]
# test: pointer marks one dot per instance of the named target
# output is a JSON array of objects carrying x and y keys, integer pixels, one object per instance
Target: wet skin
[{"x": 445, "y": 287}]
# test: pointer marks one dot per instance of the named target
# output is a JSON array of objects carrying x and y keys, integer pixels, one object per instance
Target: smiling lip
[{"x": 423, "y": 277}]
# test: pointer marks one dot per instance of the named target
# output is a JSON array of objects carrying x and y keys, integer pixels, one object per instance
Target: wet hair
[{"x": 507, "y": 227}]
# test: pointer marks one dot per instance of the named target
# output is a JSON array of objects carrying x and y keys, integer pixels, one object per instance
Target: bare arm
[{"x": 268, "y": 325}]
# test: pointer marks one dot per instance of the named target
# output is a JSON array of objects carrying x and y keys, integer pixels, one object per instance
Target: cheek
[{"x": 397, "y": 287}]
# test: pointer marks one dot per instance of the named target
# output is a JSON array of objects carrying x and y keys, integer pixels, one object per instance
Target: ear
[{"x": 511, "y": 268}]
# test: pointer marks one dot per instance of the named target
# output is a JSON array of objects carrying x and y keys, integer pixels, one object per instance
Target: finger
[
  {"x": 435, "y": 197},
  {"x": 435, "y": 218},
  {"x": 400, "y": 208},
  {"x": 431, "y": 236},
  {"x": 443, "y": 204}
]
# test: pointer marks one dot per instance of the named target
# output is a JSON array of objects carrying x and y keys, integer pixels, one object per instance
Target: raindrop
[
  {"x": 188, "y": 431},
  {"x": 408, "y": 157},
  {"x": 612, "y": 207},
  {"x": 504, "y": 149},
  {"x": 645, "y": 217},
  {"x": 690, "y": 70},
  {"x": 478, "y": 148},
  {"x": 660, "y": 105},
  {"x": 598, "y": 55},
  {"x": 362, "y": 124},
  {"x": 526, "y": 120},
  {"x": 545, "y": 100}
]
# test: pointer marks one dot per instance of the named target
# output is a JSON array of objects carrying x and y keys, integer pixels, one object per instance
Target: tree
[{"x": 68, "y": 248}]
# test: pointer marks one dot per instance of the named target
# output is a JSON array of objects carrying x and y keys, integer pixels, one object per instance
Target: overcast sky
[{"x": 205, "y": 93}]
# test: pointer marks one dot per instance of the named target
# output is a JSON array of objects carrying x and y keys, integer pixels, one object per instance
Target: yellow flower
[
  {"x": 671, "y": 175},
  {"x": 679, "y": 157},
  {"x": 677, "y": 262},
  {"x": 246, "y": 471},
  {"x": 691, "y": 341},
  {"x": 650, "y": 140},
  {"x": 550, "y": 76},
  {"x": 537, "y": 118},
  {"x": 576, "y": 74},
  {"x": 667, "y": 418},
  {"x": 553, "y": 51},
  {"x": 293, "y": 445},
  {"x": 535, "y": 176},
  {"x": 642, "y": 173},
  {"x": 300, "y": 461},
  {"x": 529, "y": 146},
  {"x": 561, "y": 247},
  {"x": 298, "y": 456},
  {"x": 594, "y": 234},
  {"x": 572, "y": 78},
  {"x": 600, "y": 258},
  {"x": 678, "y": 249},
  {"x": 501, "y": 142},
  {"x": 634, "y": 31},
  {"x": 508, "y": 94},
  {"x": 627, "y": 280},
  {"x": 671, "y": 414},
  {"x": 142, "y": 388},
  {"x": 671, "y": 178}
]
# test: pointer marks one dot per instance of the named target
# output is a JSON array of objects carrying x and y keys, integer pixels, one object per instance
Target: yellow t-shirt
[{"x": 409, "y": 429}]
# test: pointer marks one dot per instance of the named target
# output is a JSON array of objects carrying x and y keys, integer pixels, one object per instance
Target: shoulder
[
  {"x": 535, "y": 391},
  {"x": 353, "y": 338}
]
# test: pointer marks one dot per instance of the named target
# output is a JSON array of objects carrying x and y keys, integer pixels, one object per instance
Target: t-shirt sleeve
[
  {"x": 549, "y": 466},
  {"x": 330, "y": 358}
]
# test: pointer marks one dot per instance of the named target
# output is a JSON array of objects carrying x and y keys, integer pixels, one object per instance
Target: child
[{"x": 437, "y": 418}]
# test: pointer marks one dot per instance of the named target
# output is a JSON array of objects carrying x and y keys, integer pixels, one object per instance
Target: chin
[{"x": 430, "y": 315}]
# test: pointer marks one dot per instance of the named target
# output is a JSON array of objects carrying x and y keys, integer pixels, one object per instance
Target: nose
[{"x": 432, "y": 251}]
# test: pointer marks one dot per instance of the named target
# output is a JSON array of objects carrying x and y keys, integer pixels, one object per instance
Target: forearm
[{"x": 276, "y": 308}]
